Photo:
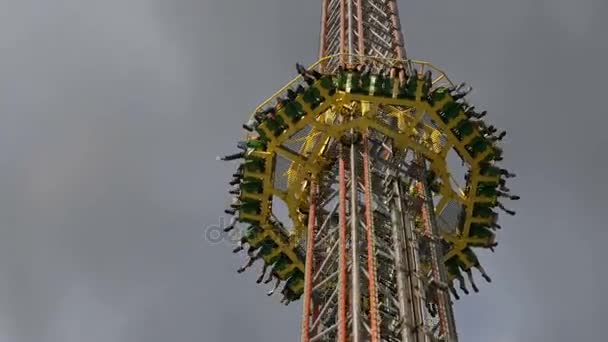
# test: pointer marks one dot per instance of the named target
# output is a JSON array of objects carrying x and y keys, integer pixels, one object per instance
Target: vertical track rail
[
  {"x": 342, "y": 291},
  {"x": 310, "y": 248},
  {"x": 349, "y": 22},
  {"x": 445, "y": 308},
  {"x": 371, "y": 264},
  {"x": 398, "y": 44},
  {"x": 415, "y": 286},
  {"x": 354, "y": 246},
  {"x": 434, "y": 262},
  {"x": 360, "y": 32},
  {"x": 324, "y": 18},
  {"x": 401, "y": 260},
  {"x": 343, "y": 21}
]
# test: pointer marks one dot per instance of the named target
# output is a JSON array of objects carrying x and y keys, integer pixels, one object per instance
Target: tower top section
[{"x": 361, "y": 27}]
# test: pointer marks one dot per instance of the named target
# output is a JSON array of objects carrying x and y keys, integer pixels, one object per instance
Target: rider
[{"x": 472, "y": 259}]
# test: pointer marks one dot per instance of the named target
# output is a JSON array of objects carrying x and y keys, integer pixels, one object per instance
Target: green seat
[
  {"x": 267, "y": 247},
  {"x": 384, "y": 86},
  {"x": 438, "y": 95},
  {"x": 490, "y": 171},
  {"x": 412, "y": 84},
  {"x": 252, "y": 185},
  {"x": 327, "y": 82},
  {"x": 340, "y": 81},
  {"x": 478, "y": 145},
  {"x": 296, "y": 281},
  {"x": 312, "y": 96},
  {"x": 276, "y": 125},
  {"x": 482, "y": 210},
  {"x": 449, "y": 111},
  {"x": 486, "y": 191},
  {"x": 366, "y": 82},
  {"x": 280, "y": 265},
  {"x": 426, "y": 85},
  {"x": 250, "y": 206},
  {"x": 294, "y": 110},
  {"x": 252, "y": 236},
  {"x": 256, "y": 144},
  {"x": 463, "y": 129},
  {"x": 254, "y": 164},
  {"x": 355, "y": 82}
]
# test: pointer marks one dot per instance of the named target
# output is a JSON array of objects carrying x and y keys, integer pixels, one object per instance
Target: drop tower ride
[{"x": 353, "y": 152}]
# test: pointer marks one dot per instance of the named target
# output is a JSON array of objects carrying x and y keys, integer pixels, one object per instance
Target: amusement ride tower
[{"x": 355, "y": 152}]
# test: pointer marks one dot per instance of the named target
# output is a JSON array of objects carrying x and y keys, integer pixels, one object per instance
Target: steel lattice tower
[
  {"x": 373, "y": 237},
  {"x": 356, "y": 149}
]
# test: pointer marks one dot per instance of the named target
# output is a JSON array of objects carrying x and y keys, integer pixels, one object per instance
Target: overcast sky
[{"x": 112, "y": 113}]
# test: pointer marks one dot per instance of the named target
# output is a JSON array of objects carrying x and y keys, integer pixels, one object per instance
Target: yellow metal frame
[{"x": 310, "y": 161}]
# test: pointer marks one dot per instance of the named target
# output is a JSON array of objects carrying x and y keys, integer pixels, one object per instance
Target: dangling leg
[
  {"x": 480, "y": 115},
  {"x": 504, "y": 194},
  {"x": 315, "y": 74},
  {"x": 262, "y": 274},
  {"x": 239, "y": 247},
  {"x": 454, "y": 292},
  {"x": 271, "y": 275},
  {"x": 510, "y": 212},
  {"x": 471, "y": 280},
  {"x": 233, "y": 156},
  {"x": 299, "y": 89},
  {"x": 276, "y": 286},
  {"x": 250, "y": 125},
  {"x": 231, "y": 224},
  {"x": 310, "y": 74},
  {"x": 248, "y": 264},
  {"x": 463, "y": 287},
  {"x": 429, "y": 308},
  {"x": 483, "y": 273},
  {"x": 235, "y": 203},
  {"x": 507, "y": 173},
  {"x": 242, "y": 145}
]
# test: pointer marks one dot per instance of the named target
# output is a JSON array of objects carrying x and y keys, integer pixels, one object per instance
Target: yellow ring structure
[{"x": 310, "y": 161}]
